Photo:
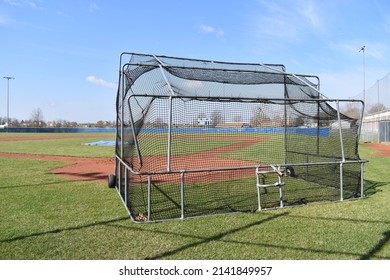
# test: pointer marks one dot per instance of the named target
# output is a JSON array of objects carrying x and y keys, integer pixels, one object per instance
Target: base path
[
  {"x": 202, "y": 160},
  {"x": 382, "y": 150},
  {"x": 98, "y": 169},
  {"x": 80, "y": 169}
]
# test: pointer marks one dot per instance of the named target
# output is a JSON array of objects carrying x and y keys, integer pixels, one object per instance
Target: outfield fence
[{"x": 55, "y": 130}]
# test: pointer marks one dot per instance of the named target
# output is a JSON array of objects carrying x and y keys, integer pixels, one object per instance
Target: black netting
[{"x": 191, "y": 133}]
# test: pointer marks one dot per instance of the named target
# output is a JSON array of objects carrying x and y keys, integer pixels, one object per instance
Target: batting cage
[{"x": 197, "y": 137}]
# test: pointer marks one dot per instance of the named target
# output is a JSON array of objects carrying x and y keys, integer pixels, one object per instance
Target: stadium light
[
  {"x": 362, "y": 49},
  {"x": 8, "y": 78}
]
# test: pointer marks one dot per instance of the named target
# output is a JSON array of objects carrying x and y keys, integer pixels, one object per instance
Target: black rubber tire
[
  {"x": 111, "y": 181},
  {"x": 290, "y": 172}
]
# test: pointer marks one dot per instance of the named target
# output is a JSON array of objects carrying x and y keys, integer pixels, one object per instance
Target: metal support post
[
  {"x": 362, "y": 179},
  {"x": 182, "y": 194},
  {"x": 280, "y": 183},
  {"x": 341, "y": 183},
  {"x": 149, "y": 198},
  {"x": 135, "y": 136},
  {"x": 126, "y": 187},
  {"x": 340, "y": 131},
  {"x": 122, "y": 114},
  {"x": 120, "y": 179},
  {"x": 169, "y": 135},
  {"x": 172, "y": 93},
  {"x": 258, "y": 190}
]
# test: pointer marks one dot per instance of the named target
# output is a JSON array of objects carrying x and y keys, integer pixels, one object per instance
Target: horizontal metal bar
[
  {"x": 277, "y": 184},
  {"x": 236, "y": 168},
  {"x": 241, "y": 212},
  {"x": 317, "y": 155},
  {"x": 248, "y": 98}
]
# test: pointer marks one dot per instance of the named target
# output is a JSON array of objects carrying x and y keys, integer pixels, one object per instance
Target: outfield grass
[
  {"x": 75, "y": 147},
  {"x": 43, "y": 216},
  {"x": 158, "y": 146}
]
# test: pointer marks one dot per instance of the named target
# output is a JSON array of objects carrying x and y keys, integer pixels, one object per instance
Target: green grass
[
  {"x": 158, "y": 146},
  {"x": 59, "y": 147},
  {"x": 43, "y": 216},
  {"x": 271, "y": 151},
  {"x": 76, "y": 146},
  {"x": 231, "y": 195}
]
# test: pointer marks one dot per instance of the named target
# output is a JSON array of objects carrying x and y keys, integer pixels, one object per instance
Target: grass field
[
  {"x": 44, "y": 216},
  {"x": 57, "y": 147}
]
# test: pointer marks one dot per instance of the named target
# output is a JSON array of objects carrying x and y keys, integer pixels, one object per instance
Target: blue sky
[{"x": 64, "y": 54}]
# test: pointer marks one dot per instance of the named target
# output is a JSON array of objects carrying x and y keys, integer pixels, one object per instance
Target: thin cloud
[
  {"x": 62, "y": 14},
  {"x": 289, "y": 21},
  {"x": 372, "y": 50},
  {"x": 25, "y": 3},
  {"x": 12, "y": 2},
  {"x": 93, "y": 7},
  {"x": 211, "y": 30},
  {"x": 386, "y": 24},
  {"x": 207, "y": 28},
  {"x": 311, "y": 13},
  {"x": 101, "y": 82},
  {"x": 346, "y": 47},
  {"x": 33, "y": 5},
  {"x": 3, "y": 20}
]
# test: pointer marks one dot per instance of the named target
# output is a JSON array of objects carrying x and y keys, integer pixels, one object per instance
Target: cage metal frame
[{"x": 121, "y": 182}]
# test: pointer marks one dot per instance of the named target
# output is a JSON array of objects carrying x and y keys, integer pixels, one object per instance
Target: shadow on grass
[
  {"x": 30, "y": 185},
  {"x": 221, "y": 237},
  {"x": 214, "y": 238},
  {"x": 371, "y": 187},
  {"x": 282, "y": 246},
  {"x": 385, "y": 240},
  {"x": 59, "y": 230},
  {"x": 90, "y": 176},
  {"x": 385, "y": 222}
]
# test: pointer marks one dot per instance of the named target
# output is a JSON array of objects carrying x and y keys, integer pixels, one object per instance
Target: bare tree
[
  {"x": 258, "y": 117},
  {"x": 216, "y": 117},
  {"x": 37, "y": 118},
  {"x": 351, "y": 110},
  {"x": 237, "y": 118},
  {"x": 376, "y": 108}
]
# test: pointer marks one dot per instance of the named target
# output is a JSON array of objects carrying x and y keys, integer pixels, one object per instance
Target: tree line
[{"x": 37, "y": 120}]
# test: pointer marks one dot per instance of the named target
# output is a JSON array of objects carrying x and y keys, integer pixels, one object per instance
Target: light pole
[
  {"x": 362, "y": 49},
  {"x": 8, "y": 78}
]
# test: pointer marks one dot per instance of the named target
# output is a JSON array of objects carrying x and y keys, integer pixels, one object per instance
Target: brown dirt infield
[
  {"x": 382, "y": 150},
  {"x": 80, "y": 169},
  {"x": 97, "y": 169},
  {"x": 202, "y": 160}
]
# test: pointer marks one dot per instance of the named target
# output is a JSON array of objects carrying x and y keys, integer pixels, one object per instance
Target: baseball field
[{"x": 55, "y": 204}]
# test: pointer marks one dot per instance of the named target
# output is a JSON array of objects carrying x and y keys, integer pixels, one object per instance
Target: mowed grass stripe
[
  {"x": 77, "y": 146},
  {"x": 74, "y": 147}
]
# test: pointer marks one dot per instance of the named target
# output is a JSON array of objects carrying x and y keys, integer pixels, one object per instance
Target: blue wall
[{"x": 324, "y": 132}]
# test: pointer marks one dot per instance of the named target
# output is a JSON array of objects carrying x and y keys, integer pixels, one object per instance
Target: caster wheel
[
  {"x": 111, "y": 181},
  {"x": 290, "y": 171}
]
